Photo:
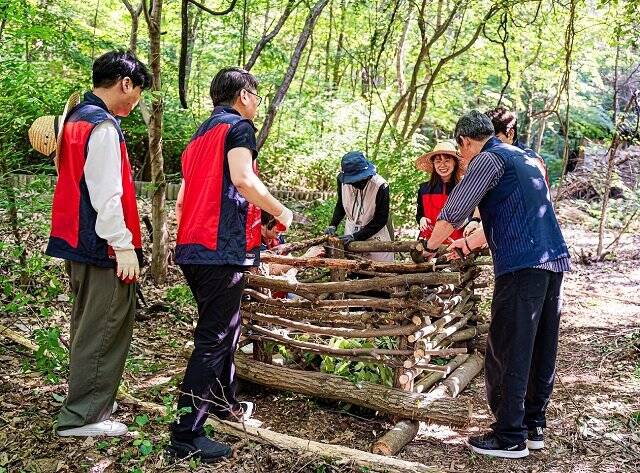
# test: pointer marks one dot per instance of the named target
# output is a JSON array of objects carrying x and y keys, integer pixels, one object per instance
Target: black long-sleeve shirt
[{"x": 380, "y": 217}]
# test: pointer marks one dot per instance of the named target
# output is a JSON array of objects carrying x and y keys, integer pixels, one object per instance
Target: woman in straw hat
[{"x": 444, "y": 166}]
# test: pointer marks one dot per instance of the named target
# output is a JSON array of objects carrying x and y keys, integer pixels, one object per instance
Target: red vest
[
  {"x": 73, "y": 220},
  {"x": 433, "y": 200},
  {"x": 218, "y": 225}
]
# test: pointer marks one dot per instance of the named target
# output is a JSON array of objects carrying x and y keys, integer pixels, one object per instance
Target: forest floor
[{"x": 593, "y": 418}]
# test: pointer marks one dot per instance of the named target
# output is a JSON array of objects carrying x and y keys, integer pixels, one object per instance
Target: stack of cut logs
[{"x": 427, "y": 312}]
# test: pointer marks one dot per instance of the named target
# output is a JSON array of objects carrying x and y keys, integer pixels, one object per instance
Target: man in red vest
[
  {"x": 95, "y": 227},
  {"x": 219, "y": 237}
]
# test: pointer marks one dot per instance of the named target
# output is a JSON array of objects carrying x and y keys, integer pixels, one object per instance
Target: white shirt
[{"x": 103, "y": 175}]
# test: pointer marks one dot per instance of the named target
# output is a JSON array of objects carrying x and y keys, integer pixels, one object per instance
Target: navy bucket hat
[{"x": 356, "y": 167}]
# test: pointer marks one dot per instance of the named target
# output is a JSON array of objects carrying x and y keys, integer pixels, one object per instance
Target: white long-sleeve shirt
[{"x": 103, "y": 175}]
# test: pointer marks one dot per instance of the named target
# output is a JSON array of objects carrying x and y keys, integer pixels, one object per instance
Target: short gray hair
[{"x": 474, "y": 125}]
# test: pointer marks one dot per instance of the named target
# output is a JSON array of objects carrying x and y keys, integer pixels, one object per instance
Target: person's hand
[
  {"x": 347, "y": 239},
  {"x": 457, "y": 248},
  {"x": 330, "y": 230},
  {"x": 424, "y": 223},
  {"x": 127, "y": 266},
  {"x": 285, "y": 219},
  {"x": 427, "y": 254},
  {"x": 471, "y": 227},
  {"x": 314, "y": 252}
]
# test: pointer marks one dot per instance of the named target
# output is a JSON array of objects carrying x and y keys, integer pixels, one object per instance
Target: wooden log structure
[
  {"x": 370, "y": 395},
  {"x": 429, "y": 308}
]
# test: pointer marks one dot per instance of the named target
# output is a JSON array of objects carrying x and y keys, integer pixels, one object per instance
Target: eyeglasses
[{"x": 256, "y": 95}]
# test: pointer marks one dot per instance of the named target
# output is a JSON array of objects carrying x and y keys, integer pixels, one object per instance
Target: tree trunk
[
  {"x": 373, "y": 396},
  {"x": 402, "y": 53},
  {"x": 280, "y": 93},
  {"x": 135, "y": 21},
  {"x": 339, "y": 46},
  {"x": 6, "y": 184},
  {"x": 160, "y": 248},
  {"x": 266, "y": 39},
  {"x": 539, "y": 137},
  {"x": 613, "y": 150}
]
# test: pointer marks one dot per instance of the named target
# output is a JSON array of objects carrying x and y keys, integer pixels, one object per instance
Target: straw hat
[{"x": 45, "y": 133}]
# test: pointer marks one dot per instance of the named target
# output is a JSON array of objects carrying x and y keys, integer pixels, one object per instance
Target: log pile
[{"x": 417, "y": 318}]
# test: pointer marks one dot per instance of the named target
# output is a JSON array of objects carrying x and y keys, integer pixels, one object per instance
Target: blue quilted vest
[{"x": 517, "y": 215}]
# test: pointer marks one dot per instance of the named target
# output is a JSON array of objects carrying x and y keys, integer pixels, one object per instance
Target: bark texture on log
[
  {"x": 458, "y": 380},
  {"x": 384, "y": 331},
  {"x": 283, "y": 441},
  {"x": 395, "y": 439},
  {"x": 427, "y": 382},
  {"x": 350, "y": 265},
  {"x": 287, "y": 248},
  {"x": 360, "y": 285},
  {"x": 373, "y": 396},
  {"x": 349, "y": 317}
]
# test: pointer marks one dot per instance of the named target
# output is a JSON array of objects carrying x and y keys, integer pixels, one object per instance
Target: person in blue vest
[
  {"x": 95, "y": 228},
  {"x": 530, "y": 257},
  {"x": 219, "y": 236}
]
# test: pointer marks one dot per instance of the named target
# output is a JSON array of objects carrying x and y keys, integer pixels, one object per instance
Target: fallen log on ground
[
  {"x": 327, "y": 451},
  {"x": 380, "y": 398},
  {"x": 18, "y": 338},
  {"x": 395, "y": 439}
]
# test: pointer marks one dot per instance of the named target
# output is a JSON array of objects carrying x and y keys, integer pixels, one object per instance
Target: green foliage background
[{"x": 47, "y": 47}]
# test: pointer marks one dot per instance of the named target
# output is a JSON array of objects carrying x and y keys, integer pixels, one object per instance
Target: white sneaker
[{"x": 106, "y": 427}]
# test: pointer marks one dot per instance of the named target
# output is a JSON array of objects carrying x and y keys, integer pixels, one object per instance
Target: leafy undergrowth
[{"x": 594, "y": 416}]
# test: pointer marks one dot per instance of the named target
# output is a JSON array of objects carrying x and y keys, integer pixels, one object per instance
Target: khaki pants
[{"x": 101, "y": 331}]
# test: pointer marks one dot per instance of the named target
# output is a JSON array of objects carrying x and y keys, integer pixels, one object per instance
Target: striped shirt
[{"x": 482, "y": 175}]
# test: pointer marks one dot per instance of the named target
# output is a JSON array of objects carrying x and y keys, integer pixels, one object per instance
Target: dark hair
[
  {"x": 116, "y": 65},
  {"x": 503, "y": 120},
  {"x": 228, "y": 83},
  {"x": 474, "y": 125},
  {"x": 267, "y": 219},
  {"x": 435, "y": 177}
]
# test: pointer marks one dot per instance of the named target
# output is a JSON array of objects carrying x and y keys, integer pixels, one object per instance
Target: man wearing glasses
[
  {"x": 219, "y": 237},
  {"x": 529, "y": 259}
]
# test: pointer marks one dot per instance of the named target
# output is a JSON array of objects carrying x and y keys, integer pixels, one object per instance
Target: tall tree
[
  {"x": 160, "y": 249},
  {"x": 280, "y": 93}
]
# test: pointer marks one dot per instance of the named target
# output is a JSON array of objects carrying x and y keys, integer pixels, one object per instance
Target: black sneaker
[
  {"x": 489, "y": 444},
  {"x": 203, "y": 448},
  {"x": 536, "y": 439},
  {"x": 242, "y": 412}
]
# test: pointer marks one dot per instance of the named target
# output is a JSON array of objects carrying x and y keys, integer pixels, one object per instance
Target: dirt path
[{"x": 594, "y": 416}]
